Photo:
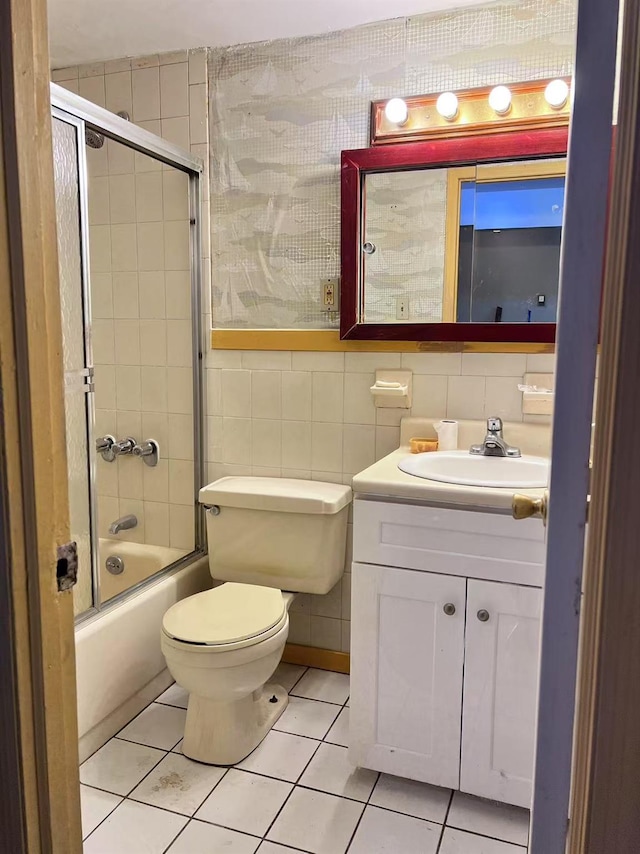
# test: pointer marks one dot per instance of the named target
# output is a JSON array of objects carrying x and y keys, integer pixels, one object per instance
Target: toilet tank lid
[{"x": 284, "y": 495}]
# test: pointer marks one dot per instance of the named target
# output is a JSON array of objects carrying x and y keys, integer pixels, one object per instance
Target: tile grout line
[
  {"x": 444, "y": 822},
  {"x": 364, "y": 809}
]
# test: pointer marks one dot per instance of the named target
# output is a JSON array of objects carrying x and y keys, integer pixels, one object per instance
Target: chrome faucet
[
  {"x": 494, "y": 444},
  {"x": 124, "y": 523}
]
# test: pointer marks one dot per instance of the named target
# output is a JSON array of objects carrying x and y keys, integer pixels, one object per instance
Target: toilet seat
[{"x": 230, "y": 616}]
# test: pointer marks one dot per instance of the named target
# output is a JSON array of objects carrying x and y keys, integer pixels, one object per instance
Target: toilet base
[{"x": 225, "y": 733}]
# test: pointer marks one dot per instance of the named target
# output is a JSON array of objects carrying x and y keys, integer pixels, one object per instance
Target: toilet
[{"x": 268, "y": 539}]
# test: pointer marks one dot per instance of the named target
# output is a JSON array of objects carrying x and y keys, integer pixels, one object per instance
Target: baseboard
[
  {"x": 311, "y": 656},
  {"x": 113, "y": 723}
]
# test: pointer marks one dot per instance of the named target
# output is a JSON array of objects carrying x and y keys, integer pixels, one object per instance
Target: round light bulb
[
  {"x": 447, "y": 106},
  {"x": 396, "y": 111},
  {"x": 556, "y": 94},
  {"x": 500, "y": 100}
]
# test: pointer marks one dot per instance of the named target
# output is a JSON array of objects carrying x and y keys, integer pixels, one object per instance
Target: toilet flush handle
[{"x": 212, "y": 508}]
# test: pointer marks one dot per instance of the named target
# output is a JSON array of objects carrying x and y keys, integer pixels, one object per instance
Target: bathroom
[{"x": 295, "y": 430}]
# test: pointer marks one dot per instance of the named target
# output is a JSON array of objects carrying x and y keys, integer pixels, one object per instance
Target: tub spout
[{"x": 123, "y": 524}]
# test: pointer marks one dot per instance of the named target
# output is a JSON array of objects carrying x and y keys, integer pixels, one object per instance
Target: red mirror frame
[{"x": 437, "y": 153}]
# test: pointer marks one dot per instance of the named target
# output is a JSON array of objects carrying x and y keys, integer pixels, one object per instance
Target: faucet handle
[
  {"x": 149, "y": 451},
  {"x": 126, "y": 446},
  {"x": 494, "y": 424},
  {"x": 104, "y": 446}
]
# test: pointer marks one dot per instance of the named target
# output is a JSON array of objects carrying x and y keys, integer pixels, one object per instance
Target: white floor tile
[
  {"x": 287, "y": 675},
  {"x": 339, "y": 732},
  {"x": 96, "y": 806},
  {"x": 330, "y": 771},
  {"x": 157, "y": 726},
  {"x": 198, "y": 837},
  {"x": 281, "y": 755},
  {"x": 119, "y": 766},
  {"x": 501, "y": 821},
  {"x": 245, "y": 802},
  {"x": 460, "y": 842},
  {"x": 274, "y": 848},
  {"x": 135, "y": 829},
  {"x": 174, "y": 696},
  {"x": 385, "y": 832},
  {"x": 323, "y": 685},
  {"x": 307, "y": 717},
  {"x": 178, "y": 784},
  {"x": 316, "y": 822},
  {"x": 411, "y": 797}
]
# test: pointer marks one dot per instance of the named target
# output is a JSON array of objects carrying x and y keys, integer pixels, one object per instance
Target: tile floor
[{"x": 295, "y": 793}]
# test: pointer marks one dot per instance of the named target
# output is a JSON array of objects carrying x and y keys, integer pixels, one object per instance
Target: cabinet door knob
[
  {"x": 483, "y": 615},
  {"x": 449, "y": 609}
]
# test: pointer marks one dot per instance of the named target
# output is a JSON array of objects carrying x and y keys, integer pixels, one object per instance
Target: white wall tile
[
  {"x": 174, "y": 90},
  {"x": 101, "y": 295},
  {"x": 433, "y": 363},
  {"x": 176, "y": 130},
  {"x": 149, "y": 196},
  {"x": 92, "y": 88},
  {"x": 155, "y": 479},
  {"x": 541, "y": 363},
  {"x": 296, "y": 395},
  {"x": 359, "y": 446},
  {"x": 179, "y": 390},
  {"x": 124, "y": 255},
  {"x": 153, "y": 389},
  {"x": 181, "y": 436},
  {"x": 368, "y": 362},
  {"x": 129, "y": 478},
  {"x": 127, "y": 342},
  {"x": 149, "y": 61},
  {"x": 118, "y": 92},
  {"x": 358, "y": 400},
  {"x": 58, "y": 75},
  {"x": 150, "y": 240},
  {"x": 151, "y": 295},
  {"x": 122, "y": 198},
  {"x": 197, "y": 66},
  {"x": 120, "y": 158},
  {"x": 236, "y": 393},
  {"x": 105, "y": 383},
  {"x": 155, "y": 425},
  {"x": 92, "y": 69},
  {"x": 99, "y": 213},
  {"x": 214, "y": 438},
  {"x": 296, "y": 445},
  {"x": 214, "y": 391},
  {"x": 430, "y": 395},
  {"x": 179, "y": 343},
  {"x": 153, "y": 342},
  {"x": 156, "y": 518},
  {"x": 387, "y": 440},
  {"x": 236, "y": 440},
  {"x": 230, "y": 359},
  {"x": 266, "y": 394},
  {"x": 178, "y": 290},
  {"x": 100, "y": 238},
  {"x": 145, "y": 84},
  {"x": 176, "y": 246},
  {"x": 325, "y": 632},
  {"x": 326, "y": 447},
  {"x": 502, "y": 398},
  {"x": 303, "y": 361},
  {"x": 266, "y": 445},
  {"x": 181, "y": 485},
  {"x": 102, "y": 339},
  {"x": 113, "y": 66},
  {"x": 494, "y": 364},
  {"x": 127, "y": 387},
  {"x": 327, "y": 397},
  {"x": 266, "y": 360},
  {"x": 466, "y": 397},
  {"x": 181, "y": 526},
  {"x": 125, "y": 295},
  {"x": 175, "y": 195},
  {"x": 198, "y": 113},
  {"x": 329, "y": 605}
]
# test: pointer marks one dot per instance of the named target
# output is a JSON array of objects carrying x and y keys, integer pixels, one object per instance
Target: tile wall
[
  {"x": 311, "y": 415},
  {"x": 140, "y": 289}
]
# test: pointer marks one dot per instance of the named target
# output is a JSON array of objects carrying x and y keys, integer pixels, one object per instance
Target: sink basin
[{"x": 465, "y": 469}]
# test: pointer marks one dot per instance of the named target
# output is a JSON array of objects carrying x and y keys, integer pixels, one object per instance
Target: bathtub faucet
[{"x": 123, "y": 524}]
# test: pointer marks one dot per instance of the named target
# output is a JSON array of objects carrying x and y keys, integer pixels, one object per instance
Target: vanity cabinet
[{"x": 444, "y": 646}]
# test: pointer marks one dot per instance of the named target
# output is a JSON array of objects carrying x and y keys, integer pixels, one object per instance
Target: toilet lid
[{"x": 226, "y": 614}]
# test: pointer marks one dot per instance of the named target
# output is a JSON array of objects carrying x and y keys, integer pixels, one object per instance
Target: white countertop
[{"x": 385, "y": 480}]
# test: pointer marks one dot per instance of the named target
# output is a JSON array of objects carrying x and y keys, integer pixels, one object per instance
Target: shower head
[{"x": 93, "y": 138}]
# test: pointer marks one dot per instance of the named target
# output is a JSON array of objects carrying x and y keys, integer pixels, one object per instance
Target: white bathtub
[
  {"x": 119, "y": 665},
  {"x": 140, "y": 562}
]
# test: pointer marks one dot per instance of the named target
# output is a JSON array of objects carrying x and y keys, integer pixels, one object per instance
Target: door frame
[{"x": 38, "y": 736}]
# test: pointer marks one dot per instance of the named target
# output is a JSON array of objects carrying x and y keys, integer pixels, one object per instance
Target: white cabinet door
[
  {"x": 406, "y": 672},
  {"x": 500, "y": 691}
]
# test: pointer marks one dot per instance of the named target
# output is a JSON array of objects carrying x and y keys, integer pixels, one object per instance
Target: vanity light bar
[{"x": 541, "y": 103}]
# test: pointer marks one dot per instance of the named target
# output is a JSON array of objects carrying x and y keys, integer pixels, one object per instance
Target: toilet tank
[{"x": 277, "y": 532}]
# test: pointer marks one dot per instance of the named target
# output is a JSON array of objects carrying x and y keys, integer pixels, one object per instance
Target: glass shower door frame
[
  {"x": 86, "y": 377},
  {"x": 84, "y": 114}
]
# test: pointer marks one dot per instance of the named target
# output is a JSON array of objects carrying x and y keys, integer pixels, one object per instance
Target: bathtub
[
  {"x": 120, "y": 668},
  {"x": 140, "y": 562}
]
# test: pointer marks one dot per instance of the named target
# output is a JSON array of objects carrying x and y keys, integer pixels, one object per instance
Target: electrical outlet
[
  {"x": 330, "y": 289},
  {"x": 402, "y": 308}
]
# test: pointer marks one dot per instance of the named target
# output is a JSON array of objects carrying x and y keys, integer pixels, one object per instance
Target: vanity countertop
[{"x": 385, "y": 480}]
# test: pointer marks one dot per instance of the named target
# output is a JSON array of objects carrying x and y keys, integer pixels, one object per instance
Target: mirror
[{"x": 454, "y": 239}]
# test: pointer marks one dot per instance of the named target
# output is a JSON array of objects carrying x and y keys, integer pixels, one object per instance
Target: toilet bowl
[{"x": 223, "y": 645}]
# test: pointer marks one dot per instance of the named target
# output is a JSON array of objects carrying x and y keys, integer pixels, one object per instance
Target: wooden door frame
[{"x": 38, "y": 735}]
